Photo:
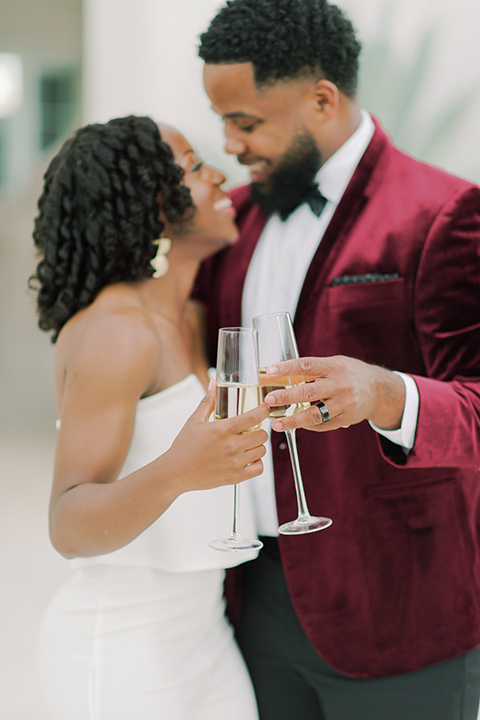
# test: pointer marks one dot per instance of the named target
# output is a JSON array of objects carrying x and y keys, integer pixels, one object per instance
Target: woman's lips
[{"x": 225, "y": 207}]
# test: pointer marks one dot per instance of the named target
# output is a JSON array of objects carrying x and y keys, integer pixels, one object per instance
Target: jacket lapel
[
  {"x": 359, "y": 189},
  {"x": 235, "y": 263}
]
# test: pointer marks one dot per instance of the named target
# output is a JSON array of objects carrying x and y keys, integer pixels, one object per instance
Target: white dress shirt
[{"x": 274, "y": 281}]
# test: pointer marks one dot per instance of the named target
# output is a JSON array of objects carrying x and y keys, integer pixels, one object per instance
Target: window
[{"x": 58, "y": 103}]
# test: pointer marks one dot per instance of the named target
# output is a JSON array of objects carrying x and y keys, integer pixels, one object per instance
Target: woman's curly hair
[
  {"x": 285, "y": 39},
  {"x": 99, "y": 214}
]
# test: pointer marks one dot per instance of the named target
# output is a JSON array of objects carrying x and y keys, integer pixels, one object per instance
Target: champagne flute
[
  {"x": 237, "y": 392},
  {"x": 276, "y": 342}
]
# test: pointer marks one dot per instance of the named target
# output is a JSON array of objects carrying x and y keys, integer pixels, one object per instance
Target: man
[{"x": 377, "y": 616}]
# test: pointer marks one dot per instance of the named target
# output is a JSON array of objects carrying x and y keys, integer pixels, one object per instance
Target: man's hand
[{"x": 351, "y": 390}]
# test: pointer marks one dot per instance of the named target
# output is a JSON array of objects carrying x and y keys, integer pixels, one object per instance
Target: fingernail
[
  {"x": 210, "y": 385},
  {"x": 270, "y": 399},
  {"x": 277, "y": 425},
  {"x": 272, "y": 370}
]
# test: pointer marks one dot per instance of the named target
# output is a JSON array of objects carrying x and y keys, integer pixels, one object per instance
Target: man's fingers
[
  {"x": 305, "y": 392},
  {"x": 311, "y": 418},
  {"x": 309, "y": 367}
]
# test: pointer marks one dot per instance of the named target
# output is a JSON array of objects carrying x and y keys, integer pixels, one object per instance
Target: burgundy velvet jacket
[{"x": 394, "y": 584}]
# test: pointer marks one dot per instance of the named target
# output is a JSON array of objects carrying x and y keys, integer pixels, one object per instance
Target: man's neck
[{"x": 347, "y": 120}]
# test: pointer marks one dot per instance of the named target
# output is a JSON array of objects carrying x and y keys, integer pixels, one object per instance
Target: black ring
[{"x": 323, "y": 409}]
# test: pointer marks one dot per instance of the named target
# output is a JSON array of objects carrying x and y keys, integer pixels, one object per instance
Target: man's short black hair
[{"x": 285, "y": 39}]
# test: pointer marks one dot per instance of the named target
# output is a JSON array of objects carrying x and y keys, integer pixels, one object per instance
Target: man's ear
[{"x": 325, "y": 96}]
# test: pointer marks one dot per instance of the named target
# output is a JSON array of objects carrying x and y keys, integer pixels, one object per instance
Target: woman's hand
[{"x": 209, "y": 454}]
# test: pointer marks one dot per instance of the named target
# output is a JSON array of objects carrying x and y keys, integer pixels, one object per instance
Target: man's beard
[{"x": 292, "y": 181}]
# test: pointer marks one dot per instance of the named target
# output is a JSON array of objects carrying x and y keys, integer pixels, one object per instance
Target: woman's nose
[{"x": 214, "y": 176}]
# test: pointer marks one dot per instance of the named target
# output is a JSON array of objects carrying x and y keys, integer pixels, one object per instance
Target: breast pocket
[{"x": 370, "y": 320}]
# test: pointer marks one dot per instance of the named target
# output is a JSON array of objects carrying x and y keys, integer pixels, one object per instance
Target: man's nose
[{"x": 233, "y": 144}]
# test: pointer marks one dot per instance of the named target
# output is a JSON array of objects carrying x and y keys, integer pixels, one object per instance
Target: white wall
[
  {"x": 140, "y": 58},
  {"x": 420, "y": 71},
  {"x": 46, "y": 34}
]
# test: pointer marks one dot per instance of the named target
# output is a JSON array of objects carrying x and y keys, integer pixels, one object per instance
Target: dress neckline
[{"x": 171, "y": 389}]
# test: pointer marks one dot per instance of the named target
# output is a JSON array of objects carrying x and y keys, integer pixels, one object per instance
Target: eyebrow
[
  {"x": 186, "y": 154},
  {"x": 238, "y": 114},
  {"x": 235, "y": 115}
]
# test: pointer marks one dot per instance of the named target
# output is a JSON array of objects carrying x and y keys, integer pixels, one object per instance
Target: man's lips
[{"x": 258, "y": 169}]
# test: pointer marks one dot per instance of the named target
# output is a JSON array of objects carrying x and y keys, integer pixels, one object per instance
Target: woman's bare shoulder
[{"x": 113, "y": 337}]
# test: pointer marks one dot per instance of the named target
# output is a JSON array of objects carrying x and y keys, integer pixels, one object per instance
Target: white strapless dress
[{"x": 141, "y": 632}]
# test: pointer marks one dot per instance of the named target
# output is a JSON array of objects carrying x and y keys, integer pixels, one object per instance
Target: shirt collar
[{"x": 334, "y": 176}]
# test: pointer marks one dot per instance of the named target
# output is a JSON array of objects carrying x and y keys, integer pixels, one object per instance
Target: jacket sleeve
[{"x": 446, "y": 302}]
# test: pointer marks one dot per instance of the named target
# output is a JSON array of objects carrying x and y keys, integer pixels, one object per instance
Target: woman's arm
[{"x": 92, "y": 513}]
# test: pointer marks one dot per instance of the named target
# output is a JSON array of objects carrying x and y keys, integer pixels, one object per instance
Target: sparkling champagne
[
  {"x": 269, "y": 383},
  {"x": 234, "y": 399}
]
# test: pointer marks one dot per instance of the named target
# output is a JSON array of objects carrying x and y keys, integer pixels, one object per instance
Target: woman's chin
[
  {"x": 222, "y": 244},
  {"x": 229, "y": 237},
  {"x": 234, "y": 237}
]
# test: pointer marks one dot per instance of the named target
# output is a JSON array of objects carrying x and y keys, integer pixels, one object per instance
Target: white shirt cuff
[{"x": 405, "y": 435}]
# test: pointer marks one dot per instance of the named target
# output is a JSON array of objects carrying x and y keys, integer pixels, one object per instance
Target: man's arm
[{"x": 447, "y": 326}]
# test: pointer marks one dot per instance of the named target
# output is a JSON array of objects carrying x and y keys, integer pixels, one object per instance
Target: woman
[{"x": 139, "y": 629}]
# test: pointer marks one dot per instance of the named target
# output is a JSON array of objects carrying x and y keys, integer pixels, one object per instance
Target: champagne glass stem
[
  {"x": 236, "y": 503},
  {"x": 297, "y": 477},
  {"x": 237, "y": 392}
]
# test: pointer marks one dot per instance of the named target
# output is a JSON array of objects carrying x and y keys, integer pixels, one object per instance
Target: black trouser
[{"x": 293, "y": 683}]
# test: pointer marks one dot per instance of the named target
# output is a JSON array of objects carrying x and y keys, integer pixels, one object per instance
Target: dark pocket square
[{"x": 368, "y": 278}]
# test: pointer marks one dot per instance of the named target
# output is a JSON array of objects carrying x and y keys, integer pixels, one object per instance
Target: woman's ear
[{"x": 161, "y": 215}]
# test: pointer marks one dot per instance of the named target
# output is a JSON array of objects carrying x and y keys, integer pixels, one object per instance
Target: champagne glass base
[
  {"x": 238, "y": 544},
  {"x": 303, "y": 525}
]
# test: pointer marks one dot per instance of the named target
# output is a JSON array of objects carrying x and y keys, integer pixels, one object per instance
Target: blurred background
[{"x": 64, "y": 63}]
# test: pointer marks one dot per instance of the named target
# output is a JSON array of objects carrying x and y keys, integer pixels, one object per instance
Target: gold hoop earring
[{"x": 160, "y": 263}]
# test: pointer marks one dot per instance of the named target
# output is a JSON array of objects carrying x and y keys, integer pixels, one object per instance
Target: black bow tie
[
  {"x": 314, "y": 198},
  {"x": 317, "y": 201}
]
